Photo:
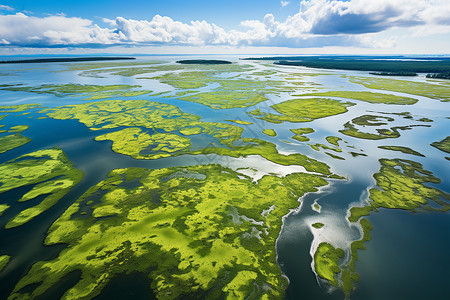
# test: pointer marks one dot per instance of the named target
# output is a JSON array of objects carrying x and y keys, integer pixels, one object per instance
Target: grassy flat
[
  {"x": 270, "y": 132},
  {"x": 302, "y": 110},
  {"x": 443, "y": 145},
  {"x": 402, "y": 149},
  {"x": 4, "y": 259},
  {"x": 326, "y": 262},
  {"x": 12, "y": 141},
  {"x": 434, "y": 91},
  {"x": 184, "y": 227},
  {"x": 366, "y": 97}
]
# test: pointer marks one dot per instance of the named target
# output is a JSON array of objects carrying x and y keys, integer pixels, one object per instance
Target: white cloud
[
  {"x": 6, "y": 7},
  {"x": 284, "y": 3},
  {"x": 318, "y": 23}
]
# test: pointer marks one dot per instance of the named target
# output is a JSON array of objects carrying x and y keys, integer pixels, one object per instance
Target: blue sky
[{"x": 201, "y": 26}]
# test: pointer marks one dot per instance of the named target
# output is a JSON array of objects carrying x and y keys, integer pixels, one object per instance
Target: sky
[{"x": 225, "y": 27}]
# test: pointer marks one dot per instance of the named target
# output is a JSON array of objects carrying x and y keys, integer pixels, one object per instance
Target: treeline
[
  {"x": 394, "y": 73},
  {"x": 444, "y": 75},
  {"x": 390, "y": 64}
]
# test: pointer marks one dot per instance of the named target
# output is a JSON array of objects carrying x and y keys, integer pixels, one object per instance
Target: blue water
[{"x": 407, "y": 257}]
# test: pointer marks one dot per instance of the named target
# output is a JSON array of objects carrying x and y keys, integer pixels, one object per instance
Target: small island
[{"x": 203, "y": 62}]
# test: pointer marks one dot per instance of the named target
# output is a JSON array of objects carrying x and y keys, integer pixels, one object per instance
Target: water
[{"x": 407, "y": 257}]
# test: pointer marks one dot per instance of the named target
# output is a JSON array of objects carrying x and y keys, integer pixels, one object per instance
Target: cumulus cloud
[{"x": 318, "y": 23}]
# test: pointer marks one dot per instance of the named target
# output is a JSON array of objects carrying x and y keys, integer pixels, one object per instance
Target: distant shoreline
[{"x": 63, "y": 59}]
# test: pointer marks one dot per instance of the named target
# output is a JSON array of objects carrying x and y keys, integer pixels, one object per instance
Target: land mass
[
  {"x": 203, "y": 62},
  {"x": 63, "y": 59}
]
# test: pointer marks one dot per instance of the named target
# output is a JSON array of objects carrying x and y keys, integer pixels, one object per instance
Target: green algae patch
[
  {"x": 402, "y": 149},
  {"x": 269, "y": 151},
  {"x": 317, "y": 225},
  {"x": 93, "y": 92},
  {"x": 3, "y": 208},
  {"x": 12, "y": 141},
  {"x": 303, "y": 110},
  {"x": 196, "y": 231},
  {"x": 18, "y": 108},
  {"x": 367, "y": 97},
  {"x": 299, "y": 134},
  {"x": 434, "y": 91},
  {"x": 18, "y": 128},
  {"x": 50, "y": 174},
  {"x": 270, "y": 132},
  {"x": 326, "y": 262},
  {"x": 443, "y": 145},
  {"x": 142, "y": 113},
  {"x": 134, "y": 142},
  {"x": 4, "y": 260},
  {"x": 240, "y": 122},
  {"x": 333, "y": 140}
]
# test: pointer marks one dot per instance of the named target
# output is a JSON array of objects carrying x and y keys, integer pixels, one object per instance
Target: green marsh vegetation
[
  {"x": 12, "y": 141},
  {"x": 300, "y": 132},
  {"x": 4, "y": 260},
  {"x": 270, "y": 132},
  {"x": 434, "y": 91},
  {"x": 443, "y": 145},
  {"x": 326, "y": 262},
  {"x": 367, "y": 97},
  {"x": 48, "y": 172},
  {"x": 91, "y": 92},
  {"x": 205, "y": 240},
  {"x": 402, "y": 149},
  {"x": 302, "y": 110}
]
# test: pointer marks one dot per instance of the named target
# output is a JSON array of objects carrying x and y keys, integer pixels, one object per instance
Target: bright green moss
[
  {"x": 175, "y": 225},
  {"x": 443, "y": 145},
  {"x": 12, "y": 141},
  {"x": 326, "y": 262},
  {"x": 402, "y": 149},
  {"x": 270, "y": 132},
  {"x": 135, "y": 142},
  {"x": 303, "y": 110},
  {"x": 435, "y": 91},
  {"x": 367, "y": 97},
  {"x": 4, "y": 260},
  {"x": 49, "y": 171},
  {"x": 317, "y": 225}
]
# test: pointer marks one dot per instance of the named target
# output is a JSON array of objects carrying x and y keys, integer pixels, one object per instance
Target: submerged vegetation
[
  {"x": 50, "y": 175},
  {"x": 205, "y": 240}
]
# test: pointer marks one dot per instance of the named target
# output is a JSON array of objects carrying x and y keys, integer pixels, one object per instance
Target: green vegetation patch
[
  {"x": 270, "y": 132},
  {"x": 333, "y": 140},
  {"x": 18, "y": 128},
  {"x": 443, "y": 145},
  {"x": 317, "y": 225},
  {"x": 134, "y": 142},
  {"x": 93, "y": 92},
  {"x": 49, "y": 171},
  {"x": 4, "y": 260},
  {"x": 402, "y": 149},
  {"x": 299, "y": 133},
  {"x": 401, "y": 186},
  {"x": 367, "y": 97},
  {"x": 17, "y": 108},
  {"x": 196, "y": 231},
  {"x": 434, "y": 91},
  {"x": 326, "y": 262},
  {"x": 303, "y": 110},
  {"x": 12, "y": 141},
  {"x": 240, "y": 122}
]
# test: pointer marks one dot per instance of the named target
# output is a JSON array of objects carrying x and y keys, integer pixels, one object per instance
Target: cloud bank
[{"x": 318, "y": 23}]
